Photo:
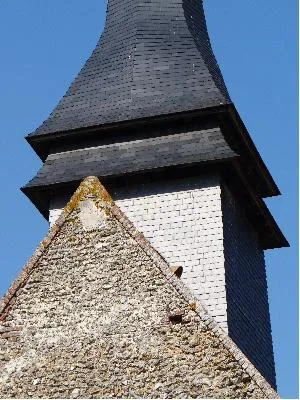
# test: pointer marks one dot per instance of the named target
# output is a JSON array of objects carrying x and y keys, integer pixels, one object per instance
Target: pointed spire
[{"x": 153, "y": 58}]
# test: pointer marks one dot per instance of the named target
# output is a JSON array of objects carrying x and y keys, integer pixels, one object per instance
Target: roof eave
[
  {"x": 41, "y": 143},
  {"x": 271, "y": 187},
  {"x": 237, "y": 134},
  {"x": 270, "y": 234}
]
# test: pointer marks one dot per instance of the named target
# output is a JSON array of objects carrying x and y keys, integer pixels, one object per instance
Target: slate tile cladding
[
  {"x": 183, "y": 221},
  {"x": 246, "y": 287},
  {"x": 153, "y": 58},
  {"x": 132, "y": 156}
]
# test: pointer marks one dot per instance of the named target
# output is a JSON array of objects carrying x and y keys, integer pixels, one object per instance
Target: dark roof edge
[
  {"x": 36, "y": 140},
  {"x": 259, "y": 211},
  {"x": 273, "y": 225},
  {"x": 248, "y": 142},
  {"x": 41, "y": 143},
  {"x": 39, "y": 196}
]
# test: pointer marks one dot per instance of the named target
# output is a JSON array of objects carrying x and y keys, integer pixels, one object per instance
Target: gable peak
[{"x": 89, "y": 188}]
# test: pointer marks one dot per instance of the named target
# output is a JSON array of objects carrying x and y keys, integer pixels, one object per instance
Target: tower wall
[
  {"x": 246, "y": 288},
  {"x": 183, "y": 220}
]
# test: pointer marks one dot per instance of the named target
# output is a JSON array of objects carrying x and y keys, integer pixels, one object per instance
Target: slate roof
[
  {"x": 152, "y": 70},
  {"x": 137, "y": 155},
  {"x": 153, "y": 58}
]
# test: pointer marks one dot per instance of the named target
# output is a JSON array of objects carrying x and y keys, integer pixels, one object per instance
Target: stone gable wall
[{"x": 92, "y": 320}]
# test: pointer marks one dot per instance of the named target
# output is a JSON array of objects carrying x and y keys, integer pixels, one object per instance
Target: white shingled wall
[
  {"x": 56, "y": 205},
  {"x": 183, "y": 220}
]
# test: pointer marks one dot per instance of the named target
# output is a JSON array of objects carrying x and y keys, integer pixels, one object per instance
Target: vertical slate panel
[{"x": 246, "y": 289}]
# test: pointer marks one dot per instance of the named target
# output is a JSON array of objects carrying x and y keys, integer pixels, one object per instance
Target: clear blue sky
[{"x": 43, "y": 45}]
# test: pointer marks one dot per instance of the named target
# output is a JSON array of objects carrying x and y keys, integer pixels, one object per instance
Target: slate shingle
[
  {"x": 153, "y": 58},
  {"x": 138, "y": 155}
]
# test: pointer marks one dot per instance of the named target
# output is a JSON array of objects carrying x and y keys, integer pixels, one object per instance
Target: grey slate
[
  {"x": 134, "y": 156},
  {"x": 153, "y": 58}
]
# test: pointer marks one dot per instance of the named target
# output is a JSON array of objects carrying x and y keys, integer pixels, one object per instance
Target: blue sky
[{"x": 44, "y": 44}]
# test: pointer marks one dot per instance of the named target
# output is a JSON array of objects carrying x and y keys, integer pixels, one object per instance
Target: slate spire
[{"x": 153, "y": 58}]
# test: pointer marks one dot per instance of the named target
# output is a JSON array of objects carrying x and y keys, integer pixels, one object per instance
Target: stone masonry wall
[
  {"x": 96, "y": 314},
  {"x": 182, "y": 219},
  {"x": 246, "y": 286}
]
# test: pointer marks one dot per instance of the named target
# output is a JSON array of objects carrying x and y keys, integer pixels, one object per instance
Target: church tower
[{"x": 150, "y": 116}]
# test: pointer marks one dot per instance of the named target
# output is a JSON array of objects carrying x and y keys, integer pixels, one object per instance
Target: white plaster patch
[
  {"x": 90, "y": 216},
  {"x": 54, "y": 214}
]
